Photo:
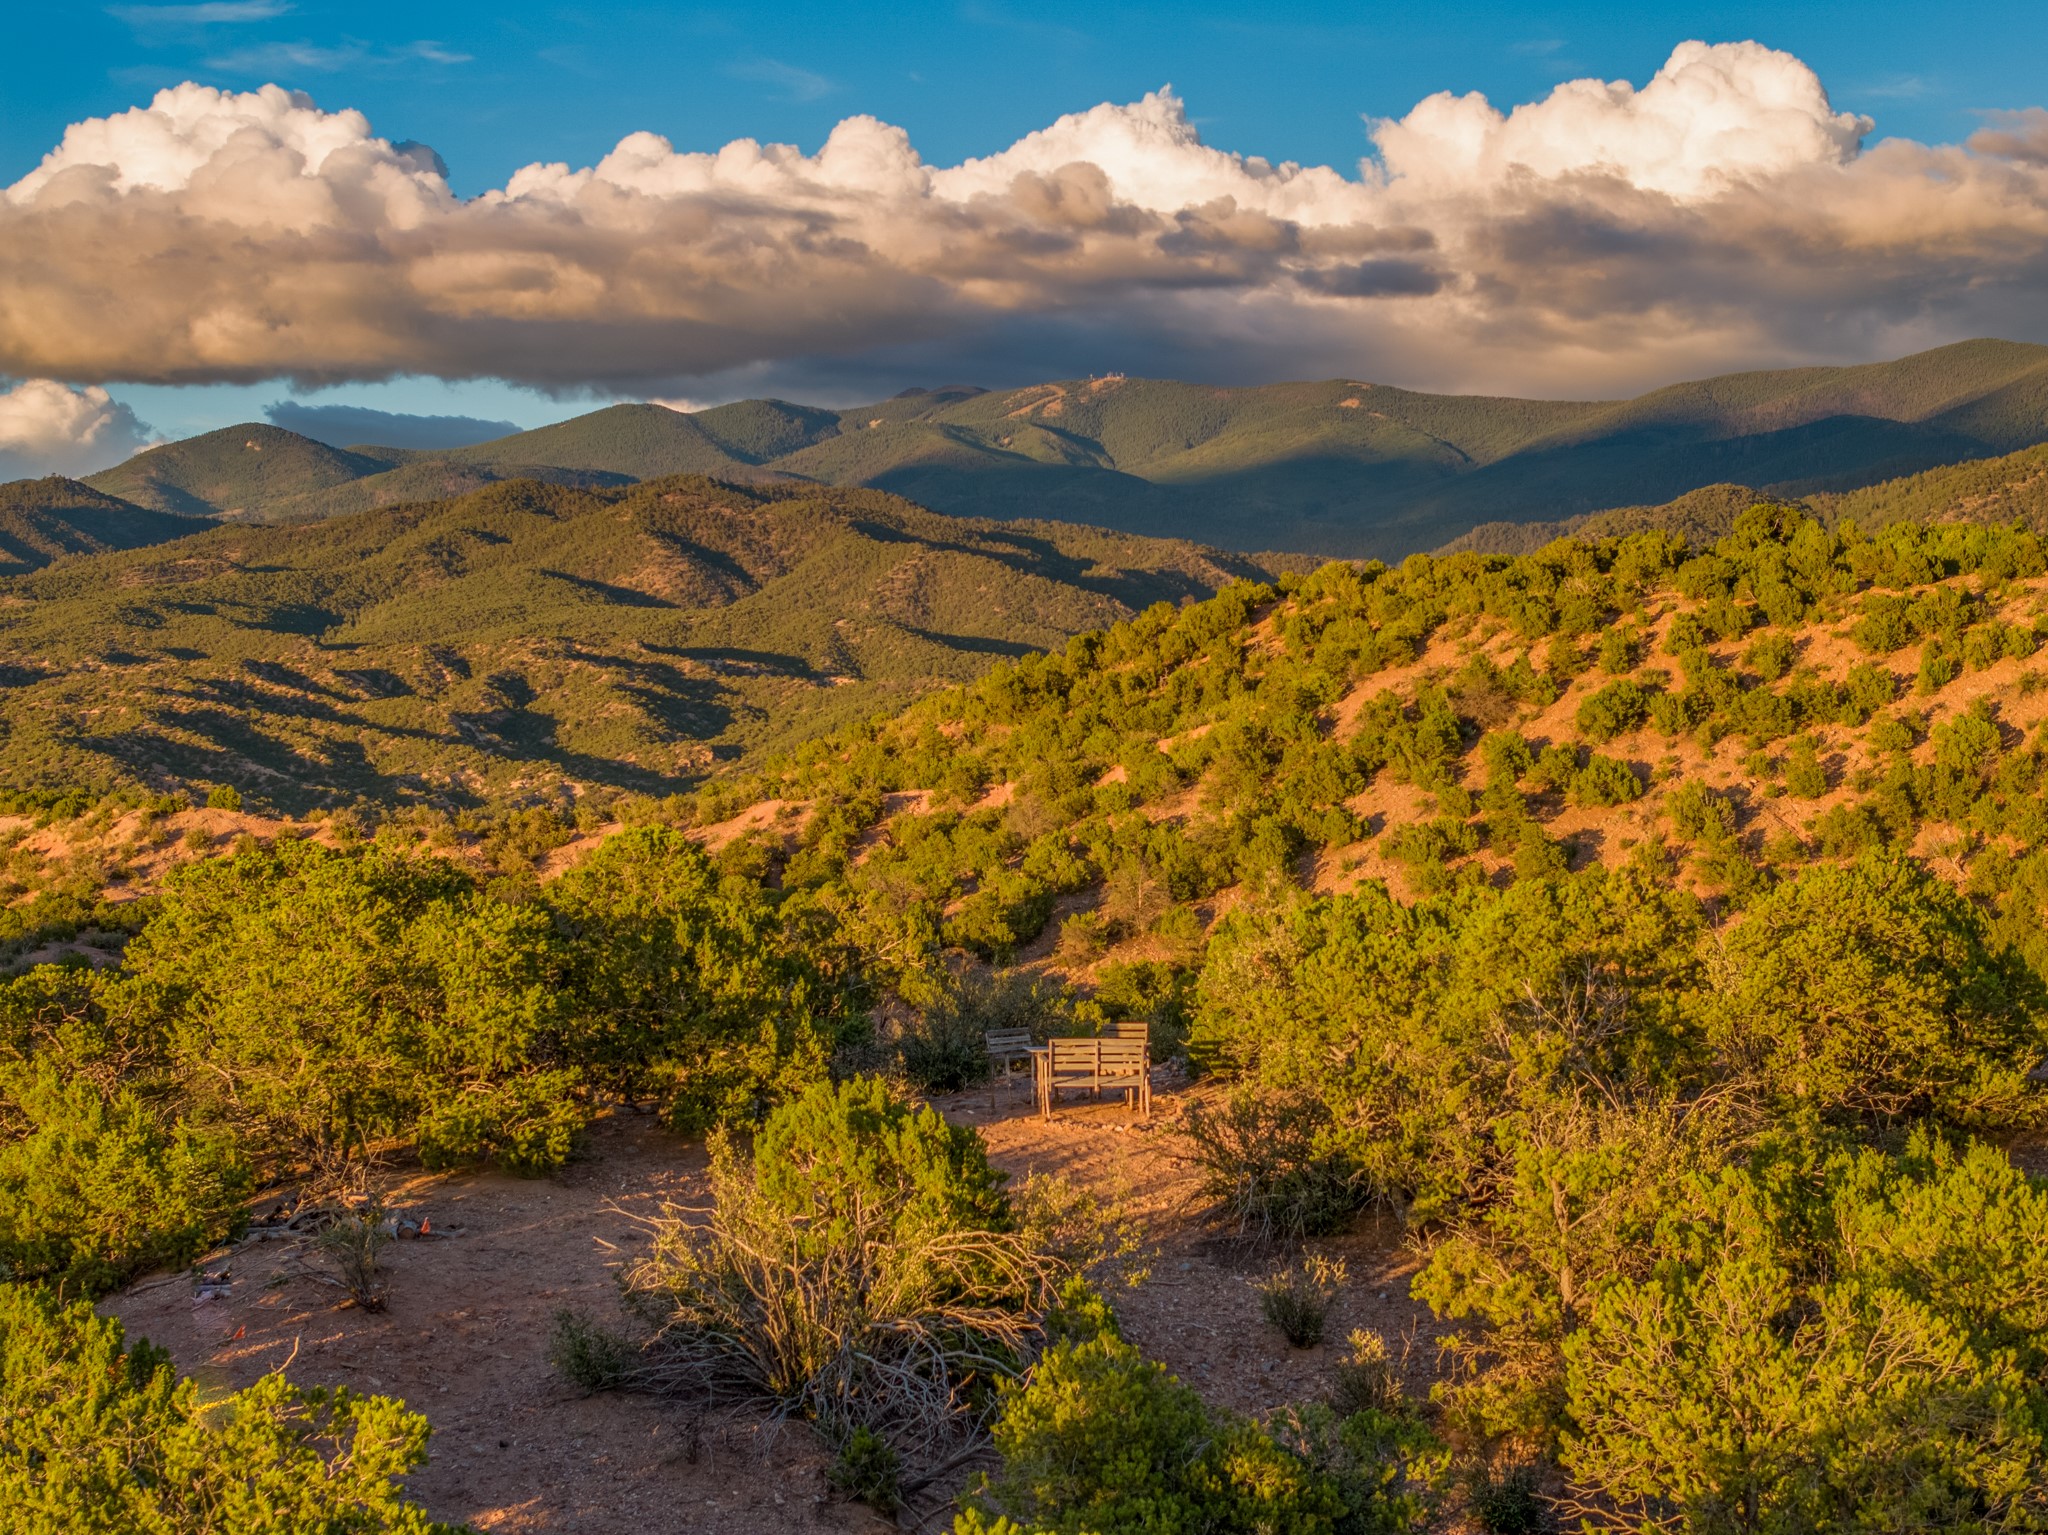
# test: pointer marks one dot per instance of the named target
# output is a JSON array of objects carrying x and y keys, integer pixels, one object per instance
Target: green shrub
[
  {"x": 1884, "y": 626},
  {"x": 1805, "y": 778},
  {"x": 1845, "y": 831},
  {"x": 1871, "y": 687},
  {"x": 1266, "y": 1161},
  {"x": 1538, "y": 856},
  {"x": 104, "y": 1437},
  {"x": 1365, "y": 1380},
  {"x": 1620, "y": 651},
  {"x": 318, "y": 1000},
  {"x": 1841, "y": 1346},
  {"x": 1939, "y": 666},
  {"x": 588, "y": 1354},
  {"x": 942, "y": 1050},
  {"x": 95, "y": 1187},
  {"x": 683, "y": 987},
  {"x": 1010, "y": 910},
  {"x": 1894, "y": 733},
  {"x": 352, "y": 1242},
  {"x": 1154, "y": 991},
  {"x": 1983, "y": 646},
  {"x": 1771, "y": 656},
  {"x": 1700, "y": 816},
  {"x": 1874, "y": 991},
  {"x": 1615, "y": 710},
  {"x": 1605, "y": 781},
  {"x": 1509, "y": 1502},
  {"x": 1506, "y": 755},
  {"x": 223, "y": 797},
  {"x": 867, "y": 1468},
  {"x": 1296, "y": 1300},
  {"x": 1099, "y": 1439}
]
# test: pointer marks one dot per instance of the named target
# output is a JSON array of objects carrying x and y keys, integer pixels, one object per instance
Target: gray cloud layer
[{"x": 1596, "y": 241}]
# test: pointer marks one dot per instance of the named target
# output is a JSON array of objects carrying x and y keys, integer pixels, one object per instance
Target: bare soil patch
[{"x": 515, "y": 1448}]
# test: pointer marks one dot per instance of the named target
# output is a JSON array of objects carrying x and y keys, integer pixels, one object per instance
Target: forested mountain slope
[
  {"x": 55, "y": 518},
  {"x": 1336, "y": 468},
  {"x": 528, "y": 634}
]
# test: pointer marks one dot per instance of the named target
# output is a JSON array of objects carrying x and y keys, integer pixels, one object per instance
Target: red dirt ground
[{"x": 516, "y": 1449}]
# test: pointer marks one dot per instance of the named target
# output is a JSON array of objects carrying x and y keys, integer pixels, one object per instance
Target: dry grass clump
[
  {"x": 861, "y": 1269},
  {"x": 1261, "y": 1158},
  {"x": 351, "y": 1242},
  {"x": 1297, "y": 1300}
]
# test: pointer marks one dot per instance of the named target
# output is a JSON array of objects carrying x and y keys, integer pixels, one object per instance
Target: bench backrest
[
  {"x": 1007, "y": 1041},
  {"x": 1098, "y": 1057},
  {"x": 1130, "y": 1028}
]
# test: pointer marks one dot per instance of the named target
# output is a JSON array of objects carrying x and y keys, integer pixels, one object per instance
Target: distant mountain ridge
[{"x": 1336, "y": 468}]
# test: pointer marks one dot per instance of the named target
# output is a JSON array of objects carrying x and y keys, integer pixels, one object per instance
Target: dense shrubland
[
  {"x": 293, "y": 1010},
  {"x": 1686, "y": 1029}
]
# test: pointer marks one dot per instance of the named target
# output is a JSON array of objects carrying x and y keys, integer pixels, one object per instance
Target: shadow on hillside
[
  {"x": 973, "y": 644},
  {"x": 1029, "y": 555},
  {"x": 279, "y": 675},
  {"x": 1650, "y": 464},
  {"x": 604, "y": 591},
  {"x": 738, "y": 658},
  {"x": 302, "y": 750}
]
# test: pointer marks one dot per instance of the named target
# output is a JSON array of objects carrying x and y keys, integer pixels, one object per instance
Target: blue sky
[{"x": 495, "y": 87}]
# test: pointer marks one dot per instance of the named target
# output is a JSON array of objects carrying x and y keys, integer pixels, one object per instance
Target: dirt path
[{"x": 1197, "y": 1311}]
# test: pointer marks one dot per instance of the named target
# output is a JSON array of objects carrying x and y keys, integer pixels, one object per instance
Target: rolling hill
[
  {"x": 54, "y": 518},
  {"x": 525, "y": 635},
  {"x": 1337, "y": 468},
  {"x": 236, "y": 471}
]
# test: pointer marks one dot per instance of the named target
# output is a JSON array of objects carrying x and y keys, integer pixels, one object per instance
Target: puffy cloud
[
  {"x": 51, "y": 428},
  {"x": 1711, "y": 119},
  {"x": 1724, "y": 214}
]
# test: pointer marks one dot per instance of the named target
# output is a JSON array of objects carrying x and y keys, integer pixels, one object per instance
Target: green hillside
[
  {"x": 425, "y": 479},
  {"x": 237, "y": 471},
  {"x": 54, "y": 518},
  {"x": 527, "y": 634},
  {"x": 643, "y": 441}
]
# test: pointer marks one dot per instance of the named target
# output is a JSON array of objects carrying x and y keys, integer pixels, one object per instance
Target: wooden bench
[
  {"x": 1010, "y": 1053},
  {"x": 1130, "y": 1028},
  {"x": 1121, "y": 1065}
]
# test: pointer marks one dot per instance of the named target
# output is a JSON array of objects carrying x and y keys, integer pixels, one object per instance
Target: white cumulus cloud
[
  {"x": 51, "y": 428},
  {"x": 1711, "y": 118},
  {"x": 1607, "y": 236}
]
